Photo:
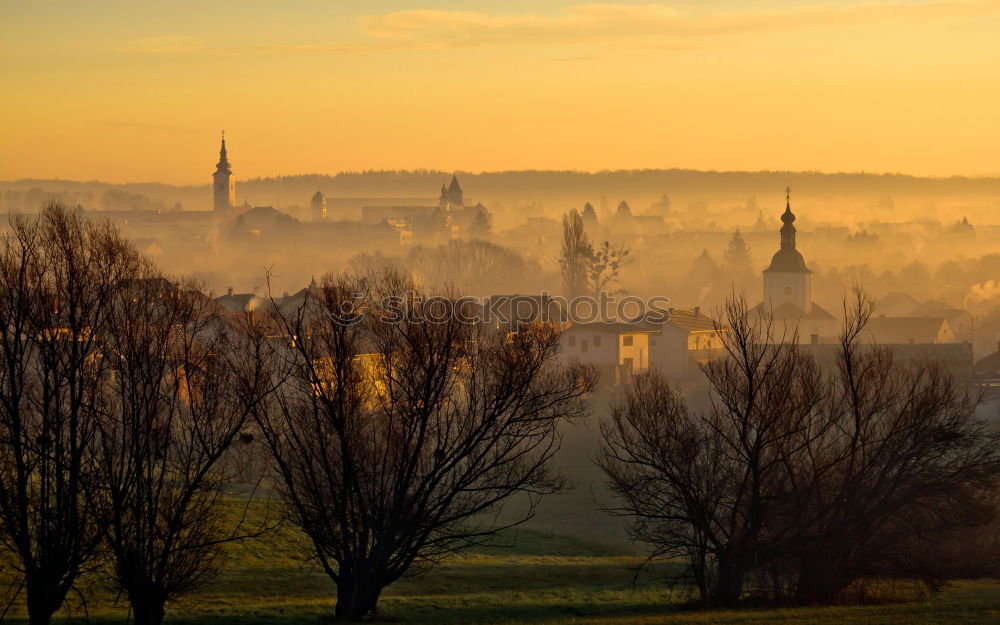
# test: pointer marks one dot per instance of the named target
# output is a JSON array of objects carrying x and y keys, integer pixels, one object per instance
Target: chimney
[
  {"x": 697, "y": 311},
  {"x": 229, "y": 291},
  {"x": 814, "y": 339}
]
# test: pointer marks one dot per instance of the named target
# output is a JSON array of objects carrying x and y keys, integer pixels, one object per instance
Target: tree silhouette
[
  {"x": 397, "y": 440},
  {"x": 577, "y": 254}
]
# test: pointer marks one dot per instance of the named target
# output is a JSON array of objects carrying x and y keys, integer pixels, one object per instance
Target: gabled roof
[
  {"x": 898, "y": 330},
  {"x": 791, "y": 311},
  {"x": 897, "y": 304},
  {"x": 239, "y": 302},
  {"x": 989, "y": 363},
  {"x": 933, "y": 308},
  {"x": 690, "y": 320},
  {"x": 613, "y": 327}
]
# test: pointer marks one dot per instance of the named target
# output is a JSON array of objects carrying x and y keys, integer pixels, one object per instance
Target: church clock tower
[
  {"x": 223, "y": 185},
  {"x": 788, "y": 280}
]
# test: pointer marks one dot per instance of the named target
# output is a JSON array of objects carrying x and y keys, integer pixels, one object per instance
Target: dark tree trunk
[
  {"x": 729, "y": 585},
  {"x": 147, "y": 610},
  {"x": 44, "y": 598},
  {"x": 820, "y": 581},
  {"x": 356, "y": 597}
]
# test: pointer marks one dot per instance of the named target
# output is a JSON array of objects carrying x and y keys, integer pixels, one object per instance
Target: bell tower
[
  {"x": 787, "y": 280},
  {"x": 223, "y": 184}
]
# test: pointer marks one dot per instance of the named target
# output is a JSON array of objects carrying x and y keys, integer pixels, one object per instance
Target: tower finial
[{"x": 788, "y": 195}]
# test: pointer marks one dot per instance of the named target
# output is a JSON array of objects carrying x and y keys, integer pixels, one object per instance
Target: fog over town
[{"x": 475, "y": 313}]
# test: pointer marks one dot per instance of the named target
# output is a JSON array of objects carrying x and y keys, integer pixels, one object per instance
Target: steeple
[
  {"x": 223, "y": 185},
  {"x": 453, "y": 196},
  {"x": 787, "y": 281},
  {"x": 788, "y": 259},
  {"x": 223, "y": 164},
  {"x": 788, "y": 218}
]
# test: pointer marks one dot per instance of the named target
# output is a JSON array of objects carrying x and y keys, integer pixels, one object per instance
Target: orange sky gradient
[{"x": 138, "y": 91}]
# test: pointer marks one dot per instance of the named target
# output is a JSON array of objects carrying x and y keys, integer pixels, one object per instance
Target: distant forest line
[{"x": 554, "y": 191}]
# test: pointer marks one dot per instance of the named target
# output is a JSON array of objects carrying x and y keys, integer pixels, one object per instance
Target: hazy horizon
[
  {"x": 264, "y": 177},
  {"x": 141, "y": 90}
]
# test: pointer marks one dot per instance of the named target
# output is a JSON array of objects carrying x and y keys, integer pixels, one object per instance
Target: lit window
[{"x": 627, "y": 341}]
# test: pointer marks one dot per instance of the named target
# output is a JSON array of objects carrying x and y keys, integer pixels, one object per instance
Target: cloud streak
[
  {"x": 168, "y": 44},
  {"x": 647, "y": 26},
  {"x": 597, "y": 23}
]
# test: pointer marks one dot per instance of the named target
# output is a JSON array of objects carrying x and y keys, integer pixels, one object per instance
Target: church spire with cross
[
  {"x": 787, "y": 280},
  {"x": 223, "y": 184},
  {"x": 788, "y": 218}
]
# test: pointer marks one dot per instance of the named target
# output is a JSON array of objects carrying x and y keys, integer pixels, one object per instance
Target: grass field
[
  {"x": 538, "y": 578},
  {"x": 571, "y": 565}
]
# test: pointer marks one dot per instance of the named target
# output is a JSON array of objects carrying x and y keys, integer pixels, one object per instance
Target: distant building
[
  {"x": 788, "y": 287},
  {"x": 896, "y": 305},
  {"x": 910, "y": 330},
  {"x": 987, "y": 370},
  {"x": 674, "y": 346},
  {"x": 241, "y": 302},
  {"x": 317, "y": 206},
  {"x": 450, "y": 218},
  {"x": 451, "y": 198},
  {"x": 223, "y": 184}
]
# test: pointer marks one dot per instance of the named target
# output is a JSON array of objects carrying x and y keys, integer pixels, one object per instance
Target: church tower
[
  {"x": 451, "y": 198},
  {"x": 788, "y": 280},
  {"x": 317, "y": 206},
  {"x": 223, "y": 186}
]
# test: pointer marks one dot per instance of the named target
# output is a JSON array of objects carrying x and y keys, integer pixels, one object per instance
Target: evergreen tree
[
  {"x": 738, "y": 254},
  {"x": 482, "y": 223},
  {"x": 739, "y": 264},
  {"x": 661, "y": 206}
]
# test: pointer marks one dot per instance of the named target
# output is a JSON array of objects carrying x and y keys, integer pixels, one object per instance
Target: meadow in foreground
[{"x": 536, "y": 578}]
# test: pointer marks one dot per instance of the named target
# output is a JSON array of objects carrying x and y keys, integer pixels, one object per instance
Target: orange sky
[{"x": 137, "y": 91}]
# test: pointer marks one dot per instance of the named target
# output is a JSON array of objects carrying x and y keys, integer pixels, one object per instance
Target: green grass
[{"x": 537, "y": 578}]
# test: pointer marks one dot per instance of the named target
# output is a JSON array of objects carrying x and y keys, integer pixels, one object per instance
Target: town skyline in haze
[{"x": 878, "y": 86}]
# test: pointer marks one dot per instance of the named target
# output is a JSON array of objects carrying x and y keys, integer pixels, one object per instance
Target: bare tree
[
  {"x": 704, "y": 485},
  {"x": 801, "y": 480},
  {"x": 402, "y": 429},
  {"x": 906, "y": 463},
  {"x": 605, "y": 265},
  {"x": 178, "y": 398},
  {"x": 577, "y": 253},
  {"x": 59, "y": 276}
]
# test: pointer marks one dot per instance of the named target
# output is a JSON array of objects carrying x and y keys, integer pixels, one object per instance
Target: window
[
  {"x": 571, "y": 341},
  {"x": 627, "y": 341},
  {"x": 597, "y": 341},
  {"x": 583, "y": 346}
]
